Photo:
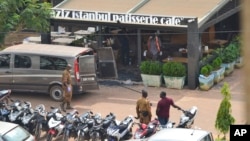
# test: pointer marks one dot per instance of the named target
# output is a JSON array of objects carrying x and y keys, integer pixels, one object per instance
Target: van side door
[
  {"x": 5, "y": 71},
  {"x": 23, "y": 73}
]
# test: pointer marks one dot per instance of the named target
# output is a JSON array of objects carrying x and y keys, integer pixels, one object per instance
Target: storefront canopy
[{"x": 139, "y": 12}]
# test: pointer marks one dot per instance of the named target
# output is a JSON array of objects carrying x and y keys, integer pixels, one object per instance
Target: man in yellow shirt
[{"x": 143, "y": 108}]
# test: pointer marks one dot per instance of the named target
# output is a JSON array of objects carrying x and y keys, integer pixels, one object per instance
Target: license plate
[{"x": 88, "y": 79}]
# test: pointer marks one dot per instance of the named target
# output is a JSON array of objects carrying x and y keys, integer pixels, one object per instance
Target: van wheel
[{"x": 56, "y": 92}]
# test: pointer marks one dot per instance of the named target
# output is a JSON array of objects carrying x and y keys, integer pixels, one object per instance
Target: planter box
[
  {"x": 206, "y": 82},
  {"x": 219, "y": 75},
  {"x": 239, "y": 62},
  {"x": 229, "y": 68},
  {"x": 151, "y": 80},
  {"x": 174, "y": 82}
]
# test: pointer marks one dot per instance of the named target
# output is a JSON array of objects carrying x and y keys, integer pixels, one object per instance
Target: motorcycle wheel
[
  {"x": 38, "y": 130},
  {"x": 65, "y": 136},
  {"x": 80, "y": 138},
  {"x": 49, "y": 137}
]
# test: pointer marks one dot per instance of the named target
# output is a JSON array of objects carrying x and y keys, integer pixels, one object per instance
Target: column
[{"x": 193, "y": 46}]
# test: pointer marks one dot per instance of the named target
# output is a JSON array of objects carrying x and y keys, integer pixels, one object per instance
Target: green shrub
[
  {"x": 206, "y": 70},
  {"x": 216, "y": 63},
  {"x": 230, "y": 53},
  {"x": 151, "y": 67},
  {"x": 175, "y": 69},
  {"x": 144, "y": 67}
]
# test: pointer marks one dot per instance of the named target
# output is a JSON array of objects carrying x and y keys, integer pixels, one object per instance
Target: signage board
[{"x": 126, "y": 18}]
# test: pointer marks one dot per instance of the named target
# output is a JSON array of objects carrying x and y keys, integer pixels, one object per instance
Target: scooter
[
  {"x": 187, "y": 118},
  {"x": 122, "y": 130},
  {"x": 70, "y": 125},
  {"x": 99, "y": 131},
  {"x": 40, "y": 116},
  {"x": 56, "y": 126},
  {"x": 145, "y": 131},
  {"x": 28, "y": 120},
  {"x": 86, "y": 122},
  {"x": 5, "y": 96},
  {"x": 16, "y": 112}
]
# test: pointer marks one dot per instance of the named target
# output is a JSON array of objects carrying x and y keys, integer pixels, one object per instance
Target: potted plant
[
  {"x": 151, "y": 73},
  {"x": 229, "y": 56},
  {"x": 218, "y": 70},
  {"x": 174, "y": 74},
  {"x": 239, "y": 60},
  {"x": 206, "y": 77}
]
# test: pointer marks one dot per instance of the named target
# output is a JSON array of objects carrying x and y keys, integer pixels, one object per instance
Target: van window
[
  {"x": 22, "y": 61},
  {"x": 52, "y": 63},
  {"x": 4, "y": 61}
]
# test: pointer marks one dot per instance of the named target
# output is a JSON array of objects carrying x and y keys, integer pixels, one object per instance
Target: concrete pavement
[{"x": 207, "y": 101}]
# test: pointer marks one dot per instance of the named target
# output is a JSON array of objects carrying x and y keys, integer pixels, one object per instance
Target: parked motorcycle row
[{"x": 85, "y": 126}]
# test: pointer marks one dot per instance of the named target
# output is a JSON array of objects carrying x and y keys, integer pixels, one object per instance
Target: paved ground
[{"x": 120, "y": 99}]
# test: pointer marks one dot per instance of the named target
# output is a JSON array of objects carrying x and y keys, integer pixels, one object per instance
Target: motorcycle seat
[{"x": 122, "y": 127}]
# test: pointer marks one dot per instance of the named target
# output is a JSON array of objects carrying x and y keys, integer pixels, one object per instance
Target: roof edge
[
  {"x": 138, "y": 6},
  {"x": 205, "y": 18},
  {"x": 61, "y": 3}
]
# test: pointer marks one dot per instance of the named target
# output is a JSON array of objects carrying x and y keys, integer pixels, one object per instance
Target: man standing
[
  {"x": 154, "y": 47},
  {"x": 143, "y": 109},
  {"x": 67, "y": 88},
  {"x": 163, "y": 107}
]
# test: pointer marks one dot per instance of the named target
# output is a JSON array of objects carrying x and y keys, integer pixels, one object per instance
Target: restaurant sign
[{"x": 127, "y": 18}]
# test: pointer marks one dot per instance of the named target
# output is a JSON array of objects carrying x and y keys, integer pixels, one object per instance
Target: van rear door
[
  {"x": 87, "y": 72},
  {"x": 106, "y": 63}
]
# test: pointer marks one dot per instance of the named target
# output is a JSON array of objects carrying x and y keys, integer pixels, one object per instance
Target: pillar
[
  {"x": 139, "y": 46},
  {"x": 194, "y": 47}
]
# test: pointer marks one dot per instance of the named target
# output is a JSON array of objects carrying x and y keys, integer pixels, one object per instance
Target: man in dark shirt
[{"x": 163, "y": 107}]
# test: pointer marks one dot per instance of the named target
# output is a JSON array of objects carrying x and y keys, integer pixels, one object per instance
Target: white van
[
  {"x": 181, "y": 134},
  {"x": 39, "y": 67}
]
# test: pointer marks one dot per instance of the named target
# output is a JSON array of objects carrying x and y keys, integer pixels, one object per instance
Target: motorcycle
[
  {"x": 16, "y": 112},
  {"x": 5, "y": 96},
  {"x": 122, "y": 130},
  {"x": 187, "y": 118},
  {"x": 85, "y": 123},
  {"x": 40, "y": 116},
  {"x": 93, "y": 134},
  {"x": 99, "y": 131},
  {"x": 145, "y": 131},
  {"x": 4, "y": 112},
  {"x": 55, "y": 124},
  {"x": 28, "y": 118},
  {"x": 71, "y": 120}
]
